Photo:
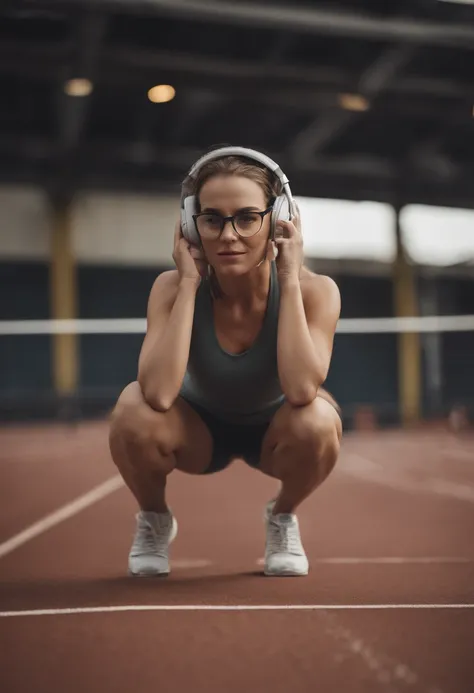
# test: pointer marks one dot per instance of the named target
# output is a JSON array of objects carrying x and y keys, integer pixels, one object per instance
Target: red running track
[{"x": 389, "y": 533}]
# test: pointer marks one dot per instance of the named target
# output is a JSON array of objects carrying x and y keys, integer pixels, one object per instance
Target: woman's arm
[
  {"x": 170, "y": 314},
  {"x": 309, "y": 312},
  {"x": 165, "y": 350},
  {"x": 310, "y": 307}
]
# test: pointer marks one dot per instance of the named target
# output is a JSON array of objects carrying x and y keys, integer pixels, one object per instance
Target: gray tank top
[{"x": 240, "y": 388}]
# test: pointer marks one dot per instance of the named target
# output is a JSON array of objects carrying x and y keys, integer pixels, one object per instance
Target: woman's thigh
[
  {"x": 293, "y": 428},
  {"x": 195, "y": 452},
  {"x": 180, "y": 431}
]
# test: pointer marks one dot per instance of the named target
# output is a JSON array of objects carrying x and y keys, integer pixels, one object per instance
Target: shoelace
[
  {"x": 147, "y": 541},
  {"x": 283, "y": 539}
]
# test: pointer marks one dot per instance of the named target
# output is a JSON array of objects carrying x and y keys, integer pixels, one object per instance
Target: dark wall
[
  {"x": 25, "y": 362},
  {"x": 457, "y": 348},
  {"x": 108, "y": 362},
  {"x": 364, "y": 368}
]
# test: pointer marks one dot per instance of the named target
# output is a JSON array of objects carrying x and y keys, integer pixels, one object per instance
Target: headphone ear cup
[
  {"x": 281, "y": 212},
  {"x": 187, "y": 222}
]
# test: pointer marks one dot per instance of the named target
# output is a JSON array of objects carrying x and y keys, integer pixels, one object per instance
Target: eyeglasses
[{"x": 210, "y": 225}]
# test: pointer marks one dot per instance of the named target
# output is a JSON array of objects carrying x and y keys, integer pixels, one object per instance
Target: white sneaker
[
  {"x": 149, "y": 553},
  {"x": 284, "y": 553}
]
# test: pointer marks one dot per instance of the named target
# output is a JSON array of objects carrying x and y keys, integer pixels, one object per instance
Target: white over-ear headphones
[{"x": 283, "y": 208}]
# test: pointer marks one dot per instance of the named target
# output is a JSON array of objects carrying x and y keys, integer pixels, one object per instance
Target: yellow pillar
[
  {"x": 63, "y": 299},
  {"x": 409, "y": 344}
]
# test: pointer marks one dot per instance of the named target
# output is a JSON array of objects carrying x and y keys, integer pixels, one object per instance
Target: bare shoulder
[
  {"x": 164, "y": 289},
  {"x": 319, "y": 288}
]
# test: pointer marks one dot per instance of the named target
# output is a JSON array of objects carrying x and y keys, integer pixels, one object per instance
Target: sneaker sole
[
  {"x": 144, "y": 576},
  {"x": 285, "y": 573},
  {"x": 158, "y": 573}
]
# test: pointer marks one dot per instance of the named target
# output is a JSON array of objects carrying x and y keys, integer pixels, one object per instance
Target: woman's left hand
[{"x": 290, "y": 248}]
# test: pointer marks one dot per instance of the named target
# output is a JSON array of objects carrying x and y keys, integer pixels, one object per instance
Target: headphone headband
[{"x": 241, "y": 151}]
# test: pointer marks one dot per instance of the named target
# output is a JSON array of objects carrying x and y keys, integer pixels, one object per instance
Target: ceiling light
[
  {"x": 353, "y": 102},
  {"x": 162, "y": 93},
  {"x": 78, "y": 87}
]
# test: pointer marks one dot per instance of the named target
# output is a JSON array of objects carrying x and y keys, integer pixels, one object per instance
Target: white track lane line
[
  {"x": 65, "y": 512},
  {"x": 231, "y": 607},
  {"x": 389, "y": 560}
]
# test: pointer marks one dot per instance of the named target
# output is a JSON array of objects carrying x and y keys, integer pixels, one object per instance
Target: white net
[{"x": 369, "y": 354}]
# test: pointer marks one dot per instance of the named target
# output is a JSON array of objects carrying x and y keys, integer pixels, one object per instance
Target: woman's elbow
[
  {"x": 157, "y": 401},
  {"x": 161, "y": 404},
  {"x": 302, "y": 396}
]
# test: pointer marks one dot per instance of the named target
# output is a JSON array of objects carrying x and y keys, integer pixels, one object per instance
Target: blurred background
[{"x": 368, "y": 106}]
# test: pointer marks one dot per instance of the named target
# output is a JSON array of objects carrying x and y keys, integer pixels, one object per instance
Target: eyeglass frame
[{"x": 231, "y": 219}]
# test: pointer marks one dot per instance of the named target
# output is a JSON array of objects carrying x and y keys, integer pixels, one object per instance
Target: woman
[{"x": 238, "y": 345}]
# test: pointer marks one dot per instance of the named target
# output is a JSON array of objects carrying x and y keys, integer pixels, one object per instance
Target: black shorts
[
  {"x": 241, "y": 441},
  {"x": 230, "y": 441}
]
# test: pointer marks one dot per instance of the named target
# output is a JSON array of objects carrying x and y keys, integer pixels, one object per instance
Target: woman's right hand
[{"x": 189, "y": 260}]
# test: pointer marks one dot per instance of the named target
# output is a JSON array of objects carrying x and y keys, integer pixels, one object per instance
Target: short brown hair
[{"x": 237, "y": 166}]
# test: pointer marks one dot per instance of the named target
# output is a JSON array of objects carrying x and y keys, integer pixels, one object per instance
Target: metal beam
[
  {"x": 197, "y": 103},
  {"x": 199, "y": 64},
  {"x": 164, "y": 180},
  {"x": 127, "y": 66},
  {"x": 304, "y": 20},
  {"x": 283, "y": 43},
  {"x": 429, "y": 158},
  {"x": 323, "y": 130},
  {"x": 181, "y": 158}
]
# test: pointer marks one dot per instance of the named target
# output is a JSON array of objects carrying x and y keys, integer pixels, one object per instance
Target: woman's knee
[
  {"x": 126, "y": 418},
  {"x": 315, "y": 430},
  {"x": 135, "y": 424}
]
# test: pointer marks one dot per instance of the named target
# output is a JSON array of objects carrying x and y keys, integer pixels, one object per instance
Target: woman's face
[{"x": 227, "y": 195}]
